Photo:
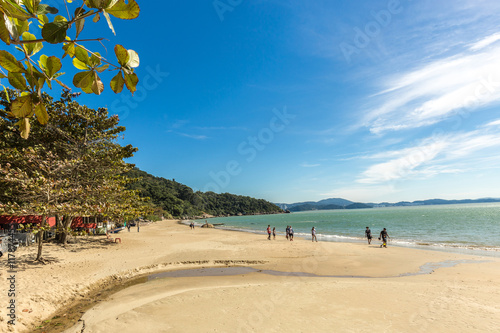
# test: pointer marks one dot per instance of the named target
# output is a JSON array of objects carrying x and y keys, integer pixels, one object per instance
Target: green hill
[{"x": 180, "y": 201}]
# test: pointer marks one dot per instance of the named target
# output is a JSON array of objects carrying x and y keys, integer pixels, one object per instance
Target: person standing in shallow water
[
  {"x": 384, "y": 236},
  {"x": 368, "y": 234},
  {"x": 313, "y": 233},
  {"x": 274, "y": 233}
]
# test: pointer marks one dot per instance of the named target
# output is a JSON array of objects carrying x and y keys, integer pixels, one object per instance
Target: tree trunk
[
  {"x": 66, "y": 224},
  {"x": 59, "y": 229},
  {"x": 40, "y": 238}
]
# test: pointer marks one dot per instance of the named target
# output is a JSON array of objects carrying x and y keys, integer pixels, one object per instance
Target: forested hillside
[{"x": 180, "y": 200}]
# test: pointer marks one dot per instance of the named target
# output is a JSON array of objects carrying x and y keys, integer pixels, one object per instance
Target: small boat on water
[{"x": 214, "y": 224}]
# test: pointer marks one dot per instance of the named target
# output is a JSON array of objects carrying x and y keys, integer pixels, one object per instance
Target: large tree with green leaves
[
  {"x": 27, "y": 25},
  {"x": 71, "y": 167}
]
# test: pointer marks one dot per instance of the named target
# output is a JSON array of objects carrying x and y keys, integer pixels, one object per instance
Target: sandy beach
[{"x": 262, "y": 285}]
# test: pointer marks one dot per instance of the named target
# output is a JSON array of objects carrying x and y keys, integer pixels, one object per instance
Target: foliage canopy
[{"x": 25, "y": 27}]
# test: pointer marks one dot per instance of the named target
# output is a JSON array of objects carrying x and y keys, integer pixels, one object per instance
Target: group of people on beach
[
  {"x": 289, "y": 233},
  {"x": 269, "y": 232},
  {"x": 384, "y": 236}
]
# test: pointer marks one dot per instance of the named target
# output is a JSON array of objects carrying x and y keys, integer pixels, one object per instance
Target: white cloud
[
  {"x": 485, "y": 42},
  {"x": 194, "y": 136},
  {"x": 493, "y": 123},
  {"x": 436, "y": 91},
  {"x": 435, "y": 155},
  {"x": 308, "y": 165}
]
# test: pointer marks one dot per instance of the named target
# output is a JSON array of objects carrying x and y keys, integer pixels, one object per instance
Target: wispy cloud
[
  {"x": 221, "y": 128},
  {"x": 435, "y": 91},
  {"x": 193, "y": 136},
  {"x": 433, "y": 156},
  {"x": 308, "y": 165},
  {"x": 485, "y": 42},
  {"x": 179, "y": 123}
]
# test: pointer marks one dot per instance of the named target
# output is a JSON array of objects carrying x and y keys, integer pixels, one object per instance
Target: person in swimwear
[{"x": 313, "y": 233}]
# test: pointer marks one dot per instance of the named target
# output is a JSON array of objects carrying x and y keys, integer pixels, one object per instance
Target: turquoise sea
[{"x": 465, "y": 228}]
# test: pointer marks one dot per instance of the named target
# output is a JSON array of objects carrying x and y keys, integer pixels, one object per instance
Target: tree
[
  {"x": 72, "y": 167},
  {"x": 37, "y": 182},
  {"x": 30, "y": 75}
]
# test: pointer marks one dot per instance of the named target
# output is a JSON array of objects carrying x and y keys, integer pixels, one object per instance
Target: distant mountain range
[{"x": 339, "y": 203}]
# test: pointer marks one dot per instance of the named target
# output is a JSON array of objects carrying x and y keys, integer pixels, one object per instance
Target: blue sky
[{"x": 305, "y": 100}]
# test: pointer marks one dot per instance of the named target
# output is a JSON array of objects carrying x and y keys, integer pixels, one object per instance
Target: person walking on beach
[
  {"x": 138, "y": 224},
  {"x": 313, "y": 233},
  {"x": 384, "y": 236},
  {"x": 287, "y": 231},
  {"x": 268, "y": 232},
  {"x": 128, "y": 227},
  {"x": 291, "y": 233},
  {"x": 368, "y": 234},
  {"x": 274, "y": 233}
]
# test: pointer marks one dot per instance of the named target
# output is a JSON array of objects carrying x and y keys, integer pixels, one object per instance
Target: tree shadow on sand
[{"x": 25, "y": 257}]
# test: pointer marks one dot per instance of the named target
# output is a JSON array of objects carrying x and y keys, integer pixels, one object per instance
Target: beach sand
[{"x": 351, "y": 287}]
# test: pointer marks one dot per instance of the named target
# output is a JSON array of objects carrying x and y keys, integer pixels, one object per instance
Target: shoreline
[
  {"x": 79, "y": 270},
  {"x": 488, "y": 251}
]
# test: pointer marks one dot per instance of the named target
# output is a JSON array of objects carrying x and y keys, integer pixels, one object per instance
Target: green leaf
[
  {"x": 80, "y": 65},
  {"x": 96, "y": 18},
  {"x": 69, "y": 49},
  {"x": 60, "y": 18},
  {"x": 24, "y": 128},
  {"x": 17, "y": 80},
  {"x": 10, "y": 63},
  {"x": 28, "y": 4},
  {"x": 55, "y": 32},
  {"x": 4, "y": 32},
  {"x": 102, "y": 68},
  {"x": 53, "y": 66},
  {"x": 14, "y": 10},
  {"x": 97, "y": 85},
  {"x": 117, "y": 83},
  {"x": 41, "y": 113},
  {"x": 125, "y": 11},
  {"x": 131, "y": 81},
  {"x": 21, "y": 26},
  {"x": 122, "y": 55},
  {"x": 83, "y": 79},
  {"x": 42, "y": 62},
  {"x": 87, "y": 90},
  {"x": 82, "y": 55},
  {"x": 31, "y": 48},
  {"x": 94, "y": 60},
  {"x": 108, "y": 19},
  {"x": 46, "y": 9},
  {"x": 11, "y": 27},
  {"x": 62, "y": 84},
  {"x": 133, "y": 59},
  {"x": 99, "y": 4},
  {"x": 22, "y": 106},
  {"x": 79, "y": 24}
]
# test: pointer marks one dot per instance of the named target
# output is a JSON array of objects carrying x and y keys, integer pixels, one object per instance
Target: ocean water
[{"x": 464, "y": 228}]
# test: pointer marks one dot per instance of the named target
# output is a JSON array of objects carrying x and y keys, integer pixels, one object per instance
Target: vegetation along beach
[{"x": 249, "y": 166}]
